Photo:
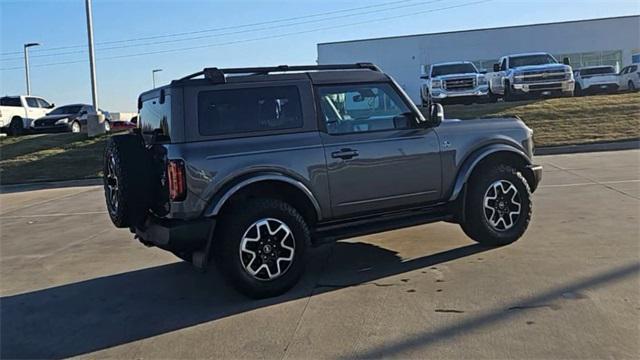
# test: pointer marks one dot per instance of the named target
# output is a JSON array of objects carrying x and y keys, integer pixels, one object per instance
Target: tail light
[{"x": 177, "y": 180}]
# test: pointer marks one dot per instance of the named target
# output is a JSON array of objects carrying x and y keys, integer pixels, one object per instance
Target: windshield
[
  {"x": 598, "y": 71},
  {"x": 439, "y": 70},
  {"x": 527, "y": 60},
  {"x": 66, "y": 110}
]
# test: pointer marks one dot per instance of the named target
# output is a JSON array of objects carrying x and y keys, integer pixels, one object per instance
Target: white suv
[
  {"x": 629, "y": 78},
  {"x": 596, "y": 79}
]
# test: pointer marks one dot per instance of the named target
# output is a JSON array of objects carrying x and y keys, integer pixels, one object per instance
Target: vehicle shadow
[{"x": 100, "y": 313}]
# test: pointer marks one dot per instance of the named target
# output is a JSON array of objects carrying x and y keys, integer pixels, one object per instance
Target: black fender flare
[
  {"x": 470, "y": 163},
  {"x": 226, "y": 193}
]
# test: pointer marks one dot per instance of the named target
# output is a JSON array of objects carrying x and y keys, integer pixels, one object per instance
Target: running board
[{"x": 379, "y": 223}]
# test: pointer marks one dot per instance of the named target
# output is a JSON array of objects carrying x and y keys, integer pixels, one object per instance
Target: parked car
[
  {"x": 530, "y": 75},
  {"x": 454, "y": 82},
  {"x": 17, "y": 112},
  {"x": 251, "y": 169},
  {"x": 74, "y": 118},
  {"x": 629, "y": 78},
  {"x": 595, "y": 79}
]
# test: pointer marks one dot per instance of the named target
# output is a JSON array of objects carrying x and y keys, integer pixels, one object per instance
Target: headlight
[
  {"x": 568, "y": 73},
  {"x": 62, "y": 121},
  {"x": 482, "y": 80},
  {"x": 436, "y": 83},
  {"x": 518, "y": 78}
]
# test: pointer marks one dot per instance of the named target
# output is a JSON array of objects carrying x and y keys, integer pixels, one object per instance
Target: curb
[
  {"x": 589, "y": 147},
  {"x": 7, "y": 189}
]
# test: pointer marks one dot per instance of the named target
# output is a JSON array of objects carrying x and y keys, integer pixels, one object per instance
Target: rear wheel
[
  {"x": 16, "y": 126},
  {"x": 260, "y": 249},
  {"x": 498, "y": 207},
  {"x": 127, "y": 180},
  {"x": 578, "y": 91}
]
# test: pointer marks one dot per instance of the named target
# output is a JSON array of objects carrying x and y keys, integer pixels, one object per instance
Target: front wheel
[
  {"x": 107, "y": 126},
  {"x": 498, "y": 206},
  {"x": 632, "y": 86},
  {"x": 260, "y": 248},
  {"x": 75, "y": 127}
]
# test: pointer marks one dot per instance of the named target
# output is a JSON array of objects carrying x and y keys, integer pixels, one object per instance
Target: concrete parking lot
[{"x": 72, "y": 284}]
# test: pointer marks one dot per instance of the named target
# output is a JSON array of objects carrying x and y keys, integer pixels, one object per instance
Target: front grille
[
  {"x": 544, "y": 75},
  {"x": 550, "y": 86},
  {"x": 460, "y": 84},
  {"x": 45, "y": 122}
]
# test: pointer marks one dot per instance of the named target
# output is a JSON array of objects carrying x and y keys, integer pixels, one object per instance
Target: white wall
[{"x": 402, "y": 57}]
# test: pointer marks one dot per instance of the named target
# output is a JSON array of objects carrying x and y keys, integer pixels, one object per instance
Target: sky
[{"x": 182, "y": 36}]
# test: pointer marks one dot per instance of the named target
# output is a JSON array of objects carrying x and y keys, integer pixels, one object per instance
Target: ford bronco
[{"x": 245, "y": 168}]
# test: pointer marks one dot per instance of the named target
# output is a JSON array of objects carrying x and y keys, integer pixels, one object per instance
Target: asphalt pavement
[{"x": 71, "y": 284}]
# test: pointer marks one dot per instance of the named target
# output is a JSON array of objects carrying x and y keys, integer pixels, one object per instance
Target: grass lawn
[
  {"x": 50, "y": 157},
  {"x": 565, "y": 121}
]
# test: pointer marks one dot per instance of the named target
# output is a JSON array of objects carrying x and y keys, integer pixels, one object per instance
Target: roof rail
[{"x": 218, "y": 75}]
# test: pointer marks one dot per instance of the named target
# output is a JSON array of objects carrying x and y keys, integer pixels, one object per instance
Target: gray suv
[{"x": 247, "y": 167}]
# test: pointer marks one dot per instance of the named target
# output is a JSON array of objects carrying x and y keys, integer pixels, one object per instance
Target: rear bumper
[
  {"x": 175, "y": 235},
  {"x": 534, "y": 176},
  {"x": 597, "y": 88}
]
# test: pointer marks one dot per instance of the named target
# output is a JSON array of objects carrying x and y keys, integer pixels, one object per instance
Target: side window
[
  {"x": 362, "y": 107},
  {"x": 633, "y": 68},
  {"x": 32, "y": 102},
  {"x": 10, "y": 101},
  {"x": 43, "y": 104},
  {"x": 503, "y": 65},
  {"x": 223, "y": 112},
  {"x": 155, "y": 117}
]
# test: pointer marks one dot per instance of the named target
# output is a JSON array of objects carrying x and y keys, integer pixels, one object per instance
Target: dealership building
[{"x": 607, "y": 41}]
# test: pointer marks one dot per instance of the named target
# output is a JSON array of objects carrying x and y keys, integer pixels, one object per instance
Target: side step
[{"x": 380, "y": 222}]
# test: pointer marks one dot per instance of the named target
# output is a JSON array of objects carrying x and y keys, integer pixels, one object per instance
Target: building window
[{"x": 594, "y": 58}]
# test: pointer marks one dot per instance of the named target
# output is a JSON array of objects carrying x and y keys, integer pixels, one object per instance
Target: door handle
[{"x": 344, "y": 154}]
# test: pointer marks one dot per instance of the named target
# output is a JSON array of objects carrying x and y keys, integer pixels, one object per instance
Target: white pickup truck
[
  {"x": 453, "y": 82},
  {"x": 18, "y": 112},
  {"x": 530, "y": 74}
]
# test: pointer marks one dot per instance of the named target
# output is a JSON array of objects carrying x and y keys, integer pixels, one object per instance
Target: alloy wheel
[
  {"x": 112, "y": 185},
  {"x": 267, "y": 249},
  {"x": 502, "y": 205}
]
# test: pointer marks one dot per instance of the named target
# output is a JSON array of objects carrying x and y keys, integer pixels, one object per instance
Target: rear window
[
  {"x": 10, "y": 101},
  {"x": 154, "y": 117},
  {"x": 598, "y": 71},
  {"x": 249, "y": 110}
]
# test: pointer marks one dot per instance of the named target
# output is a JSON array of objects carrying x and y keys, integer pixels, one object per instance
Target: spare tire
[{"x": 127, "y": 180}]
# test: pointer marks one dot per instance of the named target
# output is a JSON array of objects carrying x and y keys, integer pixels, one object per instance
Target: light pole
[
  {"x": 26, "y": 64},
  {"x": 95, "y": 121},
  {"x": 153, "y": 76}
]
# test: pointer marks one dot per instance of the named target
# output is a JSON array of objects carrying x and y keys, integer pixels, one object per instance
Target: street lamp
[
  {"x": 95, "y": 120},
  {"x": 153, "y": 76},
  {"x": 26, "y": 64}
]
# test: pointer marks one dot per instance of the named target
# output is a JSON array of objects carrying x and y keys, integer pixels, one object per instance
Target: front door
[{"x": 377, "y": 158}]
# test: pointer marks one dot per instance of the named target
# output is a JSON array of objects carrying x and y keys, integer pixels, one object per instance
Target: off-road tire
[
  {"x": 476, "y": 225},
  {"x": 16, "y": 127},
  {"x": 131, "y": 169},
  {"x": 233, "y": 225}
]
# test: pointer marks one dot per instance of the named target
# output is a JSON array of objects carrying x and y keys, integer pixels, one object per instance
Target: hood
[
  {"x": 487, "y": 125},
  {"x": 55, "y": 117},
  {"x": 559, "y": 67}
]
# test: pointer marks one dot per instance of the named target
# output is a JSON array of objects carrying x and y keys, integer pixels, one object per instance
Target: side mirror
[
  {"x": 425, "y": 77},
  {"x": 51, "y": 106},
  {"x": 566, "y": 61},
  {"x": 496, "y": 67},
  {"x": 134, "y": 120},
  {"x": 436, "y": 114}
]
